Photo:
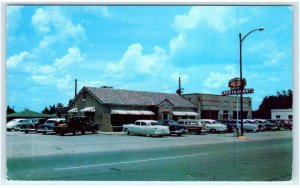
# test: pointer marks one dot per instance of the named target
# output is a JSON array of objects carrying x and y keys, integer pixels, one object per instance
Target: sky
[{"x": 144, "y": 48}]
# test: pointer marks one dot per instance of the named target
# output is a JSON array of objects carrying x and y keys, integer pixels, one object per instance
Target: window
[
  {"x": 143, "y": 123},
  {"x": 84, "y": 96},
  {"x": 290, "y": 117},
  {"x": 277, "y": 116}
]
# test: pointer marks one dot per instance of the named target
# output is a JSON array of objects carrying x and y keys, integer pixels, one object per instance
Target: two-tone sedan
[
  {"x": 146, "y": 127},
  {"x": 47, "y": 127}
]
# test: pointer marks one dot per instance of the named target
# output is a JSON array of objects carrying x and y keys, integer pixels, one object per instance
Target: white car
[
  {"x": 214, "y": 126},
  {"x": 247, "y": 126},
  {"x": 146, "y": 127},
  {"x": 15, "y": 124}
]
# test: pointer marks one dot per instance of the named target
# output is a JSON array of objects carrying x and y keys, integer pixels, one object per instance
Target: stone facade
[{"x": 109, "y": 106}]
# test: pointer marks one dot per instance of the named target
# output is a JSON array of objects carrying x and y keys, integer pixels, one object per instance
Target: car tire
[
  {"x": 179, "y": 134},
  {"x": 127, "y": 131},
  {"x": 75, "y": 133}
]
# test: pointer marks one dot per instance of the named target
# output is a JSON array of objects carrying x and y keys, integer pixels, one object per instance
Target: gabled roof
[{"x": 129, "y": 97}]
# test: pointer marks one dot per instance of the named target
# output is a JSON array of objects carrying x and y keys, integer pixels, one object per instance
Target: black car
[
  {"x": 174, "y": 127},
  {"x": 75, "y": 125},
  {"x": 33, "y": 125},
  {"x": 231, "y": 124}
]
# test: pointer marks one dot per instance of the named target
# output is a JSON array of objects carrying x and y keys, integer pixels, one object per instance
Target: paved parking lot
[{"x": 19, "y": 144}]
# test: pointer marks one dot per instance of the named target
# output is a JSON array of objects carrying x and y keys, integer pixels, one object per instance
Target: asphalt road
[{"x": 252, "y": 160}]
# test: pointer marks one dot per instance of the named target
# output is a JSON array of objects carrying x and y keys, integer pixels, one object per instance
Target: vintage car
[
  {"x": 174, "y": 127},
  {"x": 229, "y": 123},
  {"x": 146, "y": 127},
  {"x": 32, "y": 125},
  {"x": 75, "y": 125},
  {"x": 15, "y": 124},
  {"x": 266, "y": 125},
  {"x": 249, "y": 127},
  {"x": 47, "y": 127},
  {"x": 255, "y": 122},
  {"x": 214, "y": 126},
  {"x": 194, "y": 126}
]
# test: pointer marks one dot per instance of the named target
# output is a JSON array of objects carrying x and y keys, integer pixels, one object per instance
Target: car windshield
[
  {"x": 172, "y": 122},
  {"x": 154, "y": 123},
  {"x": 50, "y": 122}
]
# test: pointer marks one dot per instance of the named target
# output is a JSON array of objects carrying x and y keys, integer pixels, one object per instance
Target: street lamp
[{"x": 241, "y": 74}]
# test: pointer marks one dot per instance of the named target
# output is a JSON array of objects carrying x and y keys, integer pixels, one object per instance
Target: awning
[
  {"x": 177, "y": 113},
  {"x": 88, "y": 109},
  {"x": 132, "y": 112},
  {"x": 73, "y": 110}
]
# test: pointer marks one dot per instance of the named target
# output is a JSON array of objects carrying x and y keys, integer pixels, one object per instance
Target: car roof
[
  {"x": 148, "y": 121},
  {"x": 56, "y": 119}
]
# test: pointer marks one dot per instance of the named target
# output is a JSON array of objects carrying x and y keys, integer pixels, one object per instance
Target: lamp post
[{"x": 241, "y": 74}]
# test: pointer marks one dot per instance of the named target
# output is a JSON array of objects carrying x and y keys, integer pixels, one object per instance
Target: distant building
[
  {"x": 211, "y": 106},
  {"x": 111, "y": 108},
  {"x": 286, "y": 114}
]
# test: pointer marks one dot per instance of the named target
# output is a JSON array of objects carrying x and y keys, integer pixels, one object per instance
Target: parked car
[
  {"x": 267, "y": 125},
  {"x": 193, "y": 125},
  {"x": 288, "y": 124},
  {"x": 249, "y": 127},
  {"x": 32, "y": 125},
  {"x": 282, "y": 124},
  {"x": 15, "y": 124},
  {"x": 255, "y": 122},
  {"x": 146, "y": 127},
  {"x": 75, "y": 125},
  {"x": 174, "y": 127},
  {"x": 214, "y": 126},
  {"x": 229, "y": 123},
  {"x": 47, "y": 127}
]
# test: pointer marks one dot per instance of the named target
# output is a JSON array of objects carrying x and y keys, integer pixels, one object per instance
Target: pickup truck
[
  {"x": 75, "y": 125},
  {"x": 146, "y": 127}
]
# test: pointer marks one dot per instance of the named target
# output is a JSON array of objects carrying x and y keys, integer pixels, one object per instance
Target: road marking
[{"x": 128, "y": 162}]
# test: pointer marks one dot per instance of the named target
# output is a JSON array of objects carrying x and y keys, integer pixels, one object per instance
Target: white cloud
[
  {"x": 177, "y": 43},
  {"x": 98, "y": 10},
  {"x": 41, "y": 19},
  {"x": 218, "y": 79},
  {"x": 14, "y": 15},
  {"x": 15, "y": 60},
  {"x": 135, "y": 62},
  {"x": 218, "y": 18},
  {"x": 64, "y": 82},
  {"x": 54, "y": 26},
  {"x": 274, "y": 58},
  {"x": 73, "y": 56},
  {"x": 54, "y": 74}
]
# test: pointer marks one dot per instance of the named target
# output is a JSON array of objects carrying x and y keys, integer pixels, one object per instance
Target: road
[{"x": 254, "y": 160}]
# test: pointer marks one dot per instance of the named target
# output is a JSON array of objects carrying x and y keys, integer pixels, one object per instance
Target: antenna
[{"x": 179, "y": 90}]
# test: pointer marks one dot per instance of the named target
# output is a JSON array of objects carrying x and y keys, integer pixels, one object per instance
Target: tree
[
  {"x": 9, "y": 110},
  {"x": 59, "y": 105},
  {"x": 282, "y": 100},
  {"x": 46, "y": 111}
]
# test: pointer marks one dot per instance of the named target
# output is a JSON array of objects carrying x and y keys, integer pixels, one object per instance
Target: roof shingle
[{"x": 129, "y": 97}]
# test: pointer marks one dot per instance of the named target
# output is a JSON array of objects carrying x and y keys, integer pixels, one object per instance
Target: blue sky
[{"x": 144, "y": 48}]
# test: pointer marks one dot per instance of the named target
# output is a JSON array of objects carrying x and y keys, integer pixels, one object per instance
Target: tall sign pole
[{"x": 242, "y": 85}]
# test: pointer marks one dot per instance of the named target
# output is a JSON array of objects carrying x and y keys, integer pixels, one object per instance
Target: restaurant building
[
  {"x": 111, "y": 108},
  {"x": 220, "y": 107}
]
